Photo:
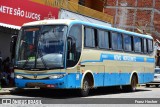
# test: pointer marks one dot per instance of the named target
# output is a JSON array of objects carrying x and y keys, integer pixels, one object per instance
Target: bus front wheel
[
  {"x": 157, "y": 85},
  {"x": 147, "y": 85},
  {"x": 85, "y": 87}
]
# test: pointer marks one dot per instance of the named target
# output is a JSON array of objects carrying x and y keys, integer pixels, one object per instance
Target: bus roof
[
  {"x": 72, "y": 21},
  {"x": 50, "y": 21}
]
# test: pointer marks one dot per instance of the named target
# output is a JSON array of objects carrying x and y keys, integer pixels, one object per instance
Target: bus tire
[
  {"x": 17, "y": 91},
  {"x": 157, "y": 85},
  {"x": 133, "y": 84},
  {"x": 85, "y": 87},
  {"x": 147, "y": 85}
]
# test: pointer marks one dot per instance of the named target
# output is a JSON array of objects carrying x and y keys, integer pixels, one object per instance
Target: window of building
[
  {"x": 137, "y": 44},
  {"x": 103, "y": 39},
  {"x": 127, "y": 43},
  {"x": 89, "y": 37},
  {"x": 81, "y": 2},
  {"x": 116, "y": 41}
]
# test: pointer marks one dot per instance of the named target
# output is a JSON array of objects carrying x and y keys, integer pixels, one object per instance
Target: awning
[{"x": 10, "y": 26}]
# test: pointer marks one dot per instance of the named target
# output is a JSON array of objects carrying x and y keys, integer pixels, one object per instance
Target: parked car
[{"x": 156, "y": 80}]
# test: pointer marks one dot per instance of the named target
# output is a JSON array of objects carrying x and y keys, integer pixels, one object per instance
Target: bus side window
[
  {"x": 127, "y": 43},
  {"x": 103, "y": 42},
  {"x": 109, "y": 40},
  {"x": 89, "y": 38},
  {"x": 137, "y": 44},
  {"x": 120, "y": 42},
  {"x": 150, "y": 46},
  {"x": 96, "y": 38},
  {"x": 144, "y": 45},
  {"x": 116, "y": 41}
]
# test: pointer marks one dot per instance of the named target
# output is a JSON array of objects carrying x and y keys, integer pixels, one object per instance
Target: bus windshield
[{"x": 41, "y": 47}]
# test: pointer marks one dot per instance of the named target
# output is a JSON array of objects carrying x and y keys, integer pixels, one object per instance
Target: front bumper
[
  {"x": 68, "y": 81},
  {"x": 50, "y": 83}
]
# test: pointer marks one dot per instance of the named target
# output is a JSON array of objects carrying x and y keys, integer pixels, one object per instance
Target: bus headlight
[
  {"x": 19, "y": 76},
  {"x": 56, "y": 76}
]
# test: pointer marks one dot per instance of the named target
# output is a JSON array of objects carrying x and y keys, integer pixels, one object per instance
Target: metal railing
[{"x": 75, "y": 7}]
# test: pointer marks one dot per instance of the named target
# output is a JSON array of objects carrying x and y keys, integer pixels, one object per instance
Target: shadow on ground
[{"x": 69, "y": 93}]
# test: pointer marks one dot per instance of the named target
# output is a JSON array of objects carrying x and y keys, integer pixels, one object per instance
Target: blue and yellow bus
[{"x": 72, "y": 54}]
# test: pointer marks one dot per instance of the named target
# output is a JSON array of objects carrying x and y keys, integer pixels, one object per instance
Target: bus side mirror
[{"x": 13, "y": 45}]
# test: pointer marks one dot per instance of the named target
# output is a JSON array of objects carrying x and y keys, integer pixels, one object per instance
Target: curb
[{"x": 5, "y": 93}]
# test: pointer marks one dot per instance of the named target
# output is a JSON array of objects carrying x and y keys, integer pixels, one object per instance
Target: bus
[{"x": 73, "y": 54}]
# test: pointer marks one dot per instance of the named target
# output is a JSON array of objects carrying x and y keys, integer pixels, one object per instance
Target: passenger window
[
  {"x": 89, "y": 37},
  {"x": 127, "y": 43},
  {"x": 137, "y": 44},
  {"x": 144, "y": 45},
  {"x": 103, "y": 39},
  {"x": 116, "y": 41},
  {"x": 119, "y": 41},
  {"x": 150, "y": 46}
]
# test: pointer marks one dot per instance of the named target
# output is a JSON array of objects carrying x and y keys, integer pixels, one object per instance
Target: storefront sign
[{"x": 17, "y": 12}]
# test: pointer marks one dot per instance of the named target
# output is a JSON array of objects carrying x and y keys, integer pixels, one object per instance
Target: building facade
[
  {"x": 135, "y": 15},
  {"x": 140, "y": 16},
  {"x": 13, "y": 16}
]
